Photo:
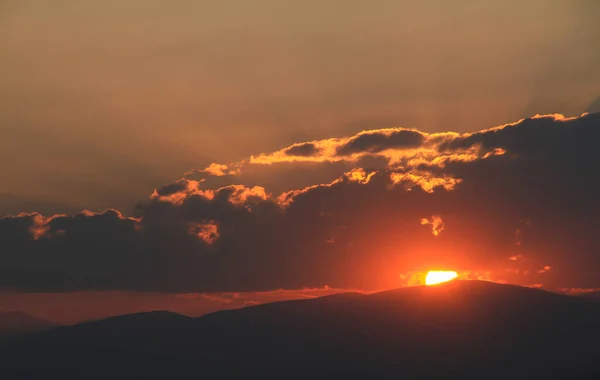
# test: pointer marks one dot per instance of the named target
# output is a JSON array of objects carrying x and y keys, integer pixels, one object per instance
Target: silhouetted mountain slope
[
  {"x": 16, "y": 322},
  {"x": 595, "y": 295},
  {"x": 462, "y": 329}
]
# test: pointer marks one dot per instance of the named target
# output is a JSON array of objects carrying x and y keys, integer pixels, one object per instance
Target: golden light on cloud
[
  {"x": 437, "y": 224},
  {"x": 437, "y": 277},
  {"x": 208, "y": 232}
]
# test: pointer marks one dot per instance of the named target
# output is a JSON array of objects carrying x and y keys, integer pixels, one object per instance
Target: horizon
[
  {"x": 191, "y": 314},
  {"x": 197, "y": 156}
]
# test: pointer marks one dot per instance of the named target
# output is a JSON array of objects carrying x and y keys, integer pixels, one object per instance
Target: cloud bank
[{"x": 518, "y": 202}]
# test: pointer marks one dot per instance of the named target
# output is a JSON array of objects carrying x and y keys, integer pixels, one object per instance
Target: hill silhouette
[
  {"x": 461, "y": 329},
  {"x": 16, "y": 322},
  {"x": 595, "y": 294}
]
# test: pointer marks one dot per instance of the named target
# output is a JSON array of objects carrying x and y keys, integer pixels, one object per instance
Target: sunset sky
[{"x": 197, "y": 155}]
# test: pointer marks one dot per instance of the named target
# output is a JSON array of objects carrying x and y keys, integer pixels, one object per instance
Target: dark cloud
[
  {"x": 377, "y": 141},
  {"x": 362, "y": 230},
  {"x": 304, "y": 149},
  {"x": 539, "y": 135},
  {"x": 173, "y": 188},
  {"x": 372, "y": 162}
]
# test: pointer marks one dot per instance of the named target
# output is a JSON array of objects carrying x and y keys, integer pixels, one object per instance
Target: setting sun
[{"x": 436, "y": 277}]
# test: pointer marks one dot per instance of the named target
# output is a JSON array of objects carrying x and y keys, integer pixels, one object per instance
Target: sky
[{"x": 179, "y": 149}]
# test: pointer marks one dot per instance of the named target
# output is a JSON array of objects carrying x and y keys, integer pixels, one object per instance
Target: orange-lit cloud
[
  {"x": 436, "y": 222},
  {"x": 395, "y": 144},
  {"x": 426, "y": 180},
  {"x": 545, "y": 269},
  {"x": 402, "y": 147},
  {"x": 39, "y": 226},
  {"x": 359, "y": 175},
  {"x": 207, "y": 231},
  {"x": 183, "y": 189},
  {"x": 358, "y": 229},
  {"x": 180, "y": 190},
  {"x": 218, "y": 170}
]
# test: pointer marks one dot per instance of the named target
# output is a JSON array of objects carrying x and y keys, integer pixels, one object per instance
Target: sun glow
[{"x": 437, "y": 277}]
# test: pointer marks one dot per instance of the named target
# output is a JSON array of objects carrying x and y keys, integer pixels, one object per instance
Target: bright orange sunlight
[{"x": 436, "y": 277}]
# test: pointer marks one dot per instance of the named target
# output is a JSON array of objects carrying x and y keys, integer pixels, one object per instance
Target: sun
[{"x": 438, "y": 276}]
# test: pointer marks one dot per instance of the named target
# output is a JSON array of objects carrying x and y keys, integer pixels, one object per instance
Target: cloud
[
  {"x": 392, "y": 144},
  {"x": 410, "y": 148},
  {"x": 356, "y": 231},
  {"x": 183, "y": 189},
  {"x": 208, "y": 231},
  {"x": 545, "y": 269},
  {"x": 378, "y": 141},
  {"x": 218, "y": 170},
  {"x": 302, "y": 150},
  {"x": 395, "y": 147},
  {"x": 518, "y": 257},
  {"x": 436, "y": 222}
]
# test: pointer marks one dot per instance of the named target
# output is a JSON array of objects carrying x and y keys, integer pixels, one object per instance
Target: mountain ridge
[{"x": 459, "y": 329}]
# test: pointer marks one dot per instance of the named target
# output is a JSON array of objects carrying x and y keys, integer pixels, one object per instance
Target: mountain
[
  {"x": 461, "y": 329},
  {"x": 16, "y": 322},
  {"x": 595, "y": 294}
]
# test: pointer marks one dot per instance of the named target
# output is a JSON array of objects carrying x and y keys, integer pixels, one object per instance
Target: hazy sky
[
  {"x": 219, "y": 148},
  {"x": 103, "y": 101}
]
